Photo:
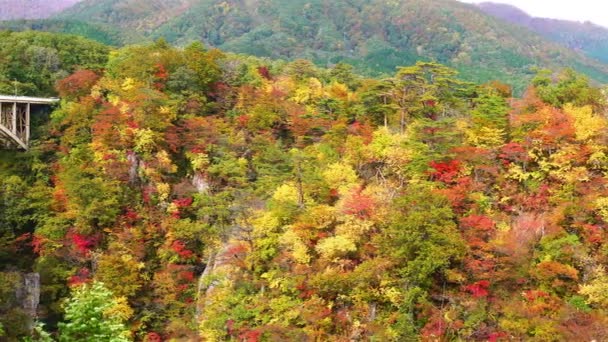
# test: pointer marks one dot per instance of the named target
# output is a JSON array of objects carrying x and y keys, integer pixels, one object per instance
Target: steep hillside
[
  {"x": 586, "y": 37},
  {"x": 192, "y": 195},
  {"x": 142, "y": 16},
  {"x": 102, "y": 33},
  {"x": 374, "y": 35},
  {"x": 32, "y": 9}
]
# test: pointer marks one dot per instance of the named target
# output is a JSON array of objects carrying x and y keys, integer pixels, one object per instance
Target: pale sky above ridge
[{"x": 595, "y": 11}]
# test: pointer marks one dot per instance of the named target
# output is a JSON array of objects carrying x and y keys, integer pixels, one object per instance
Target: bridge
[{"x": 15, "y": 114}]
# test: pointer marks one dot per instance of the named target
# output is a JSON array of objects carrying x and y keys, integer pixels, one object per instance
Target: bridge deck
[
  {"x": 15, "y": 114},
  {"x": 27, "y": 99}
]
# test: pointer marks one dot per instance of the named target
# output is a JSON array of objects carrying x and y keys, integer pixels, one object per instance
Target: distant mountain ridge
[
  {"x": 32, "y": 9},
  {"x": 586, "y": 37},
  {"x": 375, "y": 36}
]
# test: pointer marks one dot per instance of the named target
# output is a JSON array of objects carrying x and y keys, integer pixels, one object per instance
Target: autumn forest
[{"x": 186, "y": 193}]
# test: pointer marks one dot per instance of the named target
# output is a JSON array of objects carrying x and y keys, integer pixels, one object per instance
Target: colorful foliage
[{"x": 221, "y": 197}]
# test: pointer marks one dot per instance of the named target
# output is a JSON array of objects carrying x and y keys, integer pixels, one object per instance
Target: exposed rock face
[
  {"x": 27, "y": 296},
  {"x": 200, "y": 183},
  {"x": 31, "y": 293},
  {"x": 134, "y": 163}
]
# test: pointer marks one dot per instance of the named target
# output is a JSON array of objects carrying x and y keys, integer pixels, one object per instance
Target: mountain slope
[
  {"x": 195, "y": 196},
  {"x": 32, "y": 9},
  {"x": 142, "y": 16},
  {"x": 102, "y": 33},
  {"x": 374, "y": 35},
  {"x": 587, "y": 37}
]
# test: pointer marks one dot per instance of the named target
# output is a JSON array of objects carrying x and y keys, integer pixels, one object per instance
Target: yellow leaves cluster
[
  {"x": 559, "y": 166},
  {"x": 145, "y": 140},
  {"x": 308, "y": 92},
  {"x": 598, "y": 160},
  {"x": 283, "y": 84},
  {"x": 164, "y": 190},
  {"x": 335, "y": 247},
  {"x": 121, "y": 310},
  {"x": 167, "y": 113},
  {"x": 338, "y": 91},
  {"x": 389, "y": 147},
  {"x": 164, "y": 162},
  {"x": 199, "y": 161},
  {"x": 596, "y": 290},
  {"x": 128, "y": 84},
  {"x": 341, "y": 176},
  {"x": 313, "y": 90},
  {"x": 286, "y": 193},
  {"x": 587, "y": 125},
  {"x": 485, "y": 137},
  {"x": 264, "y": 222},
  {"x": 121, "y": 274},
  {"x": 320, "y": 216},
  {"x": 299, "y": 250},
  {"x": 353, "y": 228},
  {"x": 517, "y": 173},
  {"x": 601, "y": 205},
  {"x": 172, "y": 208}
]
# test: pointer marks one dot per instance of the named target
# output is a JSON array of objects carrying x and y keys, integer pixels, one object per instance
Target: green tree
[
  {"x": 423, "y": 236},
  {"x": 489, "y": 120},
  {"x": 94, "y": 314},
  {"x": 566, "y": 87}
]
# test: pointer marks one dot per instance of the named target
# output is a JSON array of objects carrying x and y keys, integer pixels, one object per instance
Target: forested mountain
[
  {"x": 31, "y": 62},
  {"x": 190, "y": 194},
  {"x": 32, "y": 9},
  {"x": 587, "y": 37},
  {"x": 373, "y": 35}
]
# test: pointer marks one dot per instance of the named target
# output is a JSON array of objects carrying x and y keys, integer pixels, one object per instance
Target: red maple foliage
[
  {"x": 161, "y": 72},
  {"x": 22, "y": 241},
  {"x": 243, "y": 120},
  {"x": 153, "y": 337},
  {"x": 187, "y": 276},
  {"x": 83, "y": 243},
  {"x": 445, "y": 172},
  {"x": 251, "y": 336},
  {"x": 183, "y": 202},
  {"x": 479, "y": 222},
  {"x": 105, "y": 127},
  {"x": 479, "y": 289},
  {"x": 532, "y": 295},
  {"x": 37, "y": 243},
  {"x": 537, "y": 201},
  {"x": 359, "y": 205},
  {"x": 592, "y": 233},
  {"x": 513, "y": 152},
  {"x": 131, "y": 215},
  {"x": 435, "y": 328},
  {"x": 78, "y": 84},
  {"x": 364, "y": 130},
  {"x": 180, "y": 248},
  {"x": 82, "y": 276},
  {"x": 264, "y": 72},
  {"x": 161, "y": 75},
  {"x": 496, "y": 336}
]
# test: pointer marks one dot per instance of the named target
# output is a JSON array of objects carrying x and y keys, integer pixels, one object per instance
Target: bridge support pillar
[
  {"x": 27, "y": 121},
  {"x": 14, "y": 119}
]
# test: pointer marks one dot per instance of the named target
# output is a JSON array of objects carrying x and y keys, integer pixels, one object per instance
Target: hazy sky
[{"x": 582, "y": 10}]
